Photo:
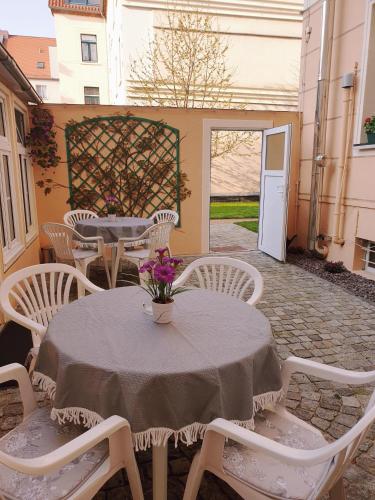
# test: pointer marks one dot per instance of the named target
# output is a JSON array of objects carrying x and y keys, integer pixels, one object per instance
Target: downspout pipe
[
  {"x": 320, "y": 128},
  {"x": 15, "y": 71}
]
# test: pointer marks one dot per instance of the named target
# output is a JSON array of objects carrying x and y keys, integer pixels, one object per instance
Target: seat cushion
[
  {"x": 36, "y": 436},
  {"x": 140, "y": 253},
  {"x": 266, "y": 474},
  {"x": 83, "y": 253}
]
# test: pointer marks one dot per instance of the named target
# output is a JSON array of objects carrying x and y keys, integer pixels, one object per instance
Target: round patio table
[
  {"x": 112, "y": 230},
  {"x": 103, "y": 355}
]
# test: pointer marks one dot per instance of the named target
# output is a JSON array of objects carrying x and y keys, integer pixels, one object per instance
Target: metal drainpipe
[{"x": 319, "y": 153}]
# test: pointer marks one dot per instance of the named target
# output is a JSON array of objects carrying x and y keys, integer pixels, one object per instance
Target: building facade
[
  {"x": 97, "y": 40},
  {"x": 81, "y": 51},
  {"x": 19, "y": 231},
  {"x": 37, "y": 57},
  {"x": 347, "y": 191}
]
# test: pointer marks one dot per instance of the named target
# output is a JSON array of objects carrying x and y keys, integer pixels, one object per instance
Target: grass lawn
[
  {"x": 250, "y": 225},
  {"x": 234, "y": 210}
]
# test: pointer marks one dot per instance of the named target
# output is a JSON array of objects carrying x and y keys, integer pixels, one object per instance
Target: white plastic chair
[
  {"x": 73, "y": 216},
  {"x": 225, "y": 275},
  {"x": 42, "y": 459},
  {"x": 65, "y": 241},
  {"x": 156, "y": 236},
  {"x": 33, "y": 295},
  {"x": 165, "y": 216},
  {"x": 285, "y": 457}
]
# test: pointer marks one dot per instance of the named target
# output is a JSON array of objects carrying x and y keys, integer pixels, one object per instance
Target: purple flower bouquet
[{"x": 161, "y": 273}]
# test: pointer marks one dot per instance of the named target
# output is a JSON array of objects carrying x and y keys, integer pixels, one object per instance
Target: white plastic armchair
[
  {"x": 165, "y": 216},
  {"x": 312, "y": 467},
  {"x": 33, "y": 295},
  {"x": 225, "y": 275},
  {"x": 48, "y": 454},
  {"x": 65, "y": 241},
  {"x": 156, "y": 236},
  {"x": 73, "y": 216}
]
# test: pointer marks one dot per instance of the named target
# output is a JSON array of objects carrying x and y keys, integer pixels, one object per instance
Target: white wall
[
  {"x": 74, "y": 74},
  {"x": 53, "y": 89}
]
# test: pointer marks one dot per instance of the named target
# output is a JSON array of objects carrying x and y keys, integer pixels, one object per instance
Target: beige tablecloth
[{"x": 102, "y": 356}]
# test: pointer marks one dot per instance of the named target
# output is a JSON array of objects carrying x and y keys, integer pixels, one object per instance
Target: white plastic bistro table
[
  {"x": 113, "y": 229},
  {"x": 103, "y": 355}
]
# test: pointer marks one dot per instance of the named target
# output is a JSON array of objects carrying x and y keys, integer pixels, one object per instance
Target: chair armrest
[
  {"x": 181, "y": 280},
  {"x": 327, "y": 372},
  {"x": 11, "y": 313},
  {"x": 17, "y": 372},
  {"x": 89, "y": 285},
  {"x": 281, "y": 452},
  {"x": 56, "y": 459}
]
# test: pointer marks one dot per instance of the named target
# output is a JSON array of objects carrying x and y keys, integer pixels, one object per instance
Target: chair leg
[
  {"x": 107, "y": 272},
  {"x": 81, "y": 265},
  {"x": 134, "y": 480},
  {"x": 338, "y": 491},
  {"x": 115, "y": 270},
  {"x": 194, "y": 480}
]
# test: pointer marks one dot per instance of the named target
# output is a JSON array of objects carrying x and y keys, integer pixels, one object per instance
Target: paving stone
[
  {"x": 351, "y": 401},
  {"x": 320, "y": 423}
]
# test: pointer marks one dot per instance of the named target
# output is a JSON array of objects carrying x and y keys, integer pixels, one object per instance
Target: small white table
[{"x": 112, "y": 230}]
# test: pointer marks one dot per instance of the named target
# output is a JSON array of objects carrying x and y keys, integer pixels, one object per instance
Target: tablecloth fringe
[
  {"x": 262, "y": 401},
  {"x": 153, "y": 436},
  {"x": 45, "y": 383},
  {"x": 187, "y": 435},
  {"x": 76, "y": 415}
]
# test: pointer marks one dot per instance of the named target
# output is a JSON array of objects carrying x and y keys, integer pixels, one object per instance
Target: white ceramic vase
[
  {"x": 112, "y": 217},
  {"x": 162, "y": 313}
]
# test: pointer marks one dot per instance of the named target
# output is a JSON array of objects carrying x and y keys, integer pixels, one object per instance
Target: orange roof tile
[{"x": 28, "y": 51}]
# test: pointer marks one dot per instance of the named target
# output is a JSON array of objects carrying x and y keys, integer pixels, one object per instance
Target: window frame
[
  {"x": 26, "y": 177},
  {"x": 11, "y": 247},
  {"x": 89, "y": 44},
  {"x": 45, "y": 93},
  {"x": 91, "y": 95},
  {"x": 359, "y": 147}
]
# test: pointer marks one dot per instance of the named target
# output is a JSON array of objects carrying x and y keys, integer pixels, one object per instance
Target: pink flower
[
  {"x": 147, "y": 267},
  {"x": 161, "y": 251},
  {"x": 164, "y": 273}
]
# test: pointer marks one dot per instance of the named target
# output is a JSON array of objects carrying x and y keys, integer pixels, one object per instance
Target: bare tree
[{"x": 184, "y": 65}]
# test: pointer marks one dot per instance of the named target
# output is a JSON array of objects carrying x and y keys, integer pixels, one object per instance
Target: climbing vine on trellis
[{"x": 133, "y": 159}]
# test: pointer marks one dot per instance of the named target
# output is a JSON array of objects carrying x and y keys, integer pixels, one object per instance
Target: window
[
  {"x": 40, "y": 65},
  {"x": 89, "y": 48},
  {"x": 91, "y": 95},
  {"x": 367, "y": 95},
  {"x": 20, "y": 126},
  {"x": 370, "y": 257},
  {"x": 2, "y": 119},
  {"x": 25, "y": 173},
  {"x": 41, "y": 91},
  {"x": 94, "y": 3},
  {"x": 8, "y": 226}
]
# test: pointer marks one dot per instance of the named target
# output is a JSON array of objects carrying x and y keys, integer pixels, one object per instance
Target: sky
[{"x": 26, "y": 17}]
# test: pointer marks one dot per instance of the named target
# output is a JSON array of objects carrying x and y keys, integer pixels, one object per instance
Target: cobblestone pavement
[
  {"x": 311, "y": 318},
  {"x": 227, "y": 237}
]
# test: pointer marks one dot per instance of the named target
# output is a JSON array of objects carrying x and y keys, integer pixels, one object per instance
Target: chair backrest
[
  {"x": 158, "y": 236},
  {"x": 165, "y": 216},
  {"x": 38, "y": 292},
  {"x": 227, "y": 275},
  {"x": 61, "y": 238},
  {"x": 73, "y": 216}
]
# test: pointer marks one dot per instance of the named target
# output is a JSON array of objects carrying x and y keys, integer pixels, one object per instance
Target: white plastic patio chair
[
  {"x": 73, "y": 216},
  {"x": 65, "y": 241},
  {"x": 45, "y": 460},
  {"x": 33, "y": 295},
  {"x": 156, "y": 236},
  {"x": 285, "y": 457},
  {"x": 165, "y": 216},
  {"x": 225, "y": 275}
]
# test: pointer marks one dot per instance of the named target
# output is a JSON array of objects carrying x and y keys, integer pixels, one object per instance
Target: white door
[{"x": 274, "y": 182}]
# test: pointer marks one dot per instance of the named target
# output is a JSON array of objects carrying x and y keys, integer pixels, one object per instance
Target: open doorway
[{"x": 235, "y": 167}]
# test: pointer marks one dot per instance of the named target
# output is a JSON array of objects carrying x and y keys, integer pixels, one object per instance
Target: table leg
[{"x": 159, "y": 472}]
